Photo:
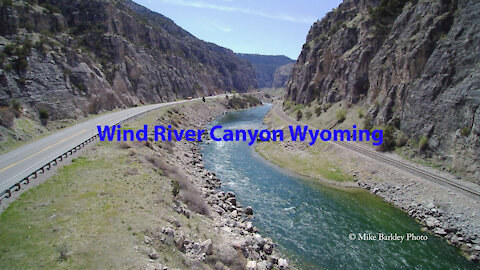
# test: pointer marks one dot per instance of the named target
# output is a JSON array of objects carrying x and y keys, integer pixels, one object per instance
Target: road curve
[
  {"x": 25, "y": 160},
  {"x": 466, "y": 187}
]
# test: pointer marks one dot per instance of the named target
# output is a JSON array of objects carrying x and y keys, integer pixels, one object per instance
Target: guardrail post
[{"x": 8, "y": 193}]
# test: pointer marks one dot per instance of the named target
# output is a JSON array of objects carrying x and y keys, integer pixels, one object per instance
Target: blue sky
[{"x": 274, "y": 27}]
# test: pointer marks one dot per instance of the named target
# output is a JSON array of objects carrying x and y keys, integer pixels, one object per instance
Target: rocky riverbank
[
  {"x": 442, "y": 210},
  {"x": 241, "y": 245},
  {"x": 137, "y": 205}
]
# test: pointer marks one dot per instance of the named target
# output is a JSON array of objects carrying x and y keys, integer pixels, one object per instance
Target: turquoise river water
[{"x": 311, "y": 222}]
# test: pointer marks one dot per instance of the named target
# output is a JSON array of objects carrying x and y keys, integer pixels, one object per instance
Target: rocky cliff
[
  {"x": 266, "y": 66},
  {"x": 413, "y": 64},
  {"x": 72, "y": 58},
  {"x": 281, "y": 75}
]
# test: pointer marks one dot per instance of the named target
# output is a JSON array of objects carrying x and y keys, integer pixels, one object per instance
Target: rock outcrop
[
  {"x": 281, "y": 76},
  {"x": 414, "y": 64},
  {"x": 266, "y": 66},
  {"x": 72, "y": 58}
]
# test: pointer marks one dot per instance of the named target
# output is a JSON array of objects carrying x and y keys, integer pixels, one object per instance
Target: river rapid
[{"x": 320, "y": 227}]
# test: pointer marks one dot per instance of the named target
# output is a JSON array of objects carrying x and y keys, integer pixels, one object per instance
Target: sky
[{"x": 271, "y": 27}]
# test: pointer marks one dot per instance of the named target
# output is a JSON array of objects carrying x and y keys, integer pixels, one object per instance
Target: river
[{"x": 312, "y": 223}]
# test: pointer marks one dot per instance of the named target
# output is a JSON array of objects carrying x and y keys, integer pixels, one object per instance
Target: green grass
[
  {"x": 311, "y": 162},
  {"x": 94, "y": 213}
]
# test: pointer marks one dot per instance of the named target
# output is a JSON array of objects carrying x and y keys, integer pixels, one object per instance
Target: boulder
[
  {"x": 147, "y": 240},
  {"x": 249, "y": 227},
  {"x": 233, "y": 214},
  {"x": 439, "y": 231},
  {"x": 168, "y": 231},
  {"x": 268, "y": 249},
  {"x": 153, "y": 254},
  {"x": 432, "y": 222},
  {"x": 207, "y": 247},
  {"x": 282, "y": 264},
  {"x": 262, "y": 265},
  {"x": 251, "y": 265}
]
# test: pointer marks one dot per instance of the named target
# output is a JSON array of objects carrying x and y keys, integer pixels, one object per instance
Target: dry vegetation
[{"x": 95, "y": 213}]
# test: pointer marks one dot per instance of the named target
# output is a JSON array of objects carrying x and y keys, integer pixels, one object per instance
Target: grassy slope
[
  {"x": 311, "y": 162},
  {"x": 315, "y": 161},
  {"x": 96, "y": 211},
  {"x": 355, "y": 116}
]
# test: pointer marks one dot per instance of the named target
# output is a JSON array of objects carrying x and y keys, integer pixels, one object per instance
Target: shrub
[
  {"x": 308, "y": 114},
  {"x": 367, "y": 123},
  {"x": 6, "y": 117},
  {"x": 401, "y": 140},
  {"x": 8, "y": 67},
  {"x": 6, "y": 3},
  {"x": 326, "y": 106},
  {"x": 318, "y": 111},
  {"x": 465, "y": 131},
  {"x": 384, "y": 14},
  {"x": 40, "y": 45},
  {"x": 43, "y": 114},
  {"x": 396, "y": 122},
  {"x": 63, "y": 251},
  {"x": 195, "y": 201},
  {"x": 3, "y": 56},
  {"x": 423, "y": 143},
  {"x": 9, "y": 49},
  {"x": 361, "y": 114},
  {"x": 341, "y": 115},
  {"x": 175, "y": 187},
  {"x": 160, "y": 164},
  {"x": 20, "y": 64},
  {"x": 51, "y": 8},
  {"x": 299, "y": 115},
  {"x": 16, "y": 106},
  {"x": 124, "y": 145},
  {"x": 189, "y": 193},
  {"x": 388, "y": 138},
  {"x": 243, "y": 102}
]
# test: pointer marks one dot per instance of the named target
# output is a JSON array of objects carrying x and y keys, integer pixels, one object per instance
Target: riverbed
[{"x": 320, "y": 227}]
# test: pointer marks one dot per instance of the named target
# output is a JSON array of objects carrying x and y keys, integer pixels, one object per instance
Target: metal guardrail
[
  {"x": 41, "y": 170},
  {"x": 5, "y": 194}
]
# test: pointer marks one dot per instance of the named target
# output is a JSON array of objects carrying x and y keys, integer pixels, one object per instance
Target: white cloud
[
  {"x": 276, "y": 16},
  {"x": 223, "y": 28}
]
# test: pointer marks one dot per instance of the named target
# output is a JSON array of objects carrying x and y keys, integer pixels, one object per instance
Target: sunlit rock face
[
  {"x": 90, "y": 56},
  {"x": 416, "y": 68}
]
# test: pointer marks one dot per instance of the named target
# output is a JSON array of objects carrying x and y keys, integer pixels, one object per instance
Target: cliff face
[
  {"x": 266, "y": 66},
  {"x": 281, "y": 75},
  {"x": 415, "y": 68},
  {"x": 77, "y": 57}
]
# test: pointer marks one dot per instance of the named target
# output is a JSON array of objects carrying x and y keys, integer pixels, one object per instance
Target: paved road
[
  {"x": 21, "y": 162},
  {"x": 467, "y": 187}
]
